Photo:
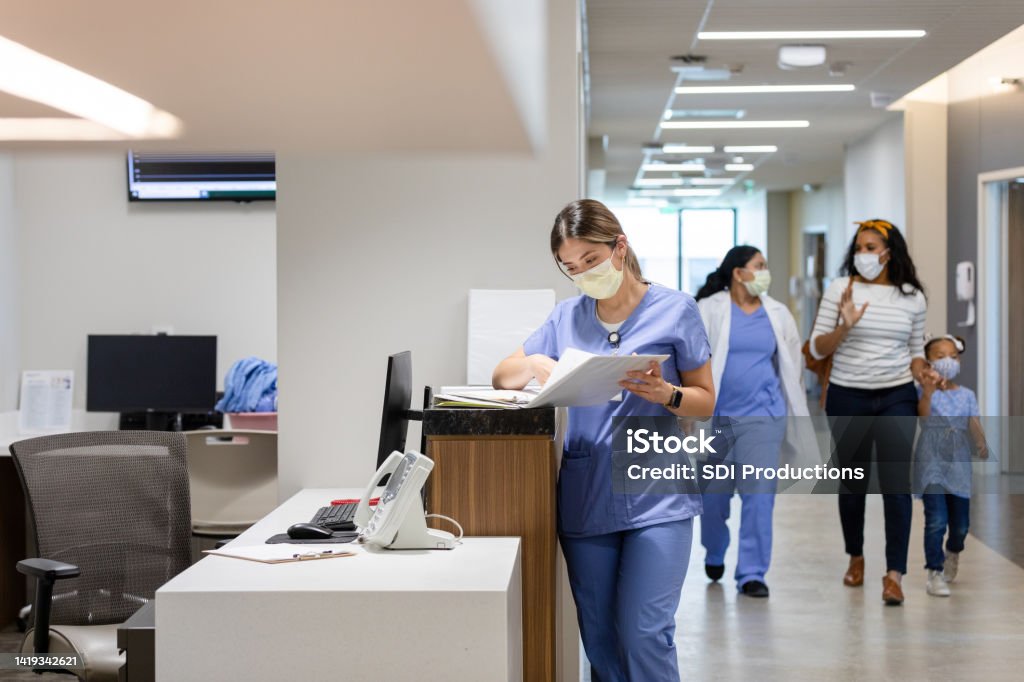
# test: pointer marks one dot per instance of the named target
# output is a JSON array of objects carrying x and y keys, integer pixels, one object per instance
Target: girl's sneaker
[
  {"x": 936, "y": 585},
  {"x": 951, "y": 566}
]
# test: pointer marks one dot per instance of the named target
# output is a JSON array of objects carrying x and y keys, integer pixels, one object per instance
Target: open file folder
[
  {"x": 578, "y": 379},
  {"x": 283, "y": 553}
]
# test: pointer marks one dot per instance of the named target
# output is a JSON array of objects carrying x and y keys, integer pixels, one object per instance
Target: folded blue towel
[{"x": 250, "y": 386}]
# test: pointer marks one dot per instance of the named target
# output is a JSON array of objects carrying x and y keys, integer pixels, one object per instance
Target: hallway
[{"x": 813, "y": 627}]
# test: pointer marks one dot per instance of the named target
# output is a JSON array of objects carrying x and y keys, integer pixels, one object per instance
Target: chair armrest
[
  {"x": 48, "y": 569},
  {"x": 46, "y": 572}
]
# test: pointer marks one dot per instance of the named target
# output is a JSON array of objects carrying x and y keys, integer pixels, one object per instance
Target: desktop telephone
[{"x": 398, "y": 521}]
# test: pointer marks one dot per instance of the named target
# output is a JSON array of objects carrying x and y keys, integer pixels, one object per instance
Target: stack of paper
[{"x": 578, "y": 379}]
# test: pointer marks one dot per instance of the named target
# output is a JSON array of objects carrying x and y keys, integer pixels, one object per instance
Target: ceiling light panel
[
  {"x": 739, "y": 167},
  {"x": 686, "y": 149},
  {"x": 710, "y": 125},
  {"x": 684, "y": 167},
  {"x": 809, "y": 35},
  {"x": 750, "y": 149},
  {"x": 759, "y": 89}
]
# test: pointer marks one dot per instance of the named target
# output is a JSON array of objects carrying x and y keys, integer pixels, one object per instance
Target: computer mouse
[{"x": 308, "y": 531}]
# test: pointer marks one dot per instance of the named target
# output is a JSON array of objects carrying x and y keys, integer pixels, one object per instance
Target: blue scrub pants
[
  {"x": 752, "y": 441},
  {"x": 626, "y": 586}
]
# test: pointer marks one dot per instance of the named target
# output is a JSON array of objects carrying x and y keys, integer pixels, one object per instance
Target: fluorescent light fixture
[
  {"x": 680, "y": 192},
  {"x": 807, "y": 35},
  {"x": 30, "y": 75},
  {"x": 711, "y": 181},
  {"x": 686, "y": 149},
  {"x": 55, "y": 129},
  {"x": 658, "y": 182},
  {"x": 738, "y": 167},
  {"x": 708, "y": 125},
  {"x": 750, "y": 149},
  {"x": 754, "y": 89},
  {"x": 685, "y": 167}
]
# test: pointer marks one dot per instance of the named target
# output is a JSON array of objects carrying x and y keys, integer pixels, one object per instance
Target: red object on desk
[{"x": 373, "y": 501}]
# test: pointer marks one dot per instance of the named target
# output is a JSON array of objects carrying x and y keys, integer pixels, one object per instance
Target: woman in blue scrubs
[
  {"x": 757, "y": 367},
  {"x": 626, "y": 553}
]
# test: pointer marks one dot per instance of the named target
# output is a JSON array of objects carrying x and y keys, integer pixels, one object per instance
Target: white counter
[{"x": 381, "y": 615}]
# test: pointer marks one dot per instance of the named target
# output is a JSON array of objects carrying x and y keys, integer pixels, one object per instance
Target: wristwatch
[{"x": 676, "y": 400}]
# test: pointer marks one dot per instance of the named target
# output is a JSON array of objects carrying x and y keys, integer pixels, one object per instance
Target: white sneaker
[
  {"x": 952, "y": 565},
  {"x": 936, "y": 585}
]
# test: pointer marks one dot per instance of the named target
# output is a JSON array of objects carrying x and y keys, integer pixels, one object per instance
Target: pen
[
  {"x": 312, "y": 555},
  {"x": 373, "y": 501}
]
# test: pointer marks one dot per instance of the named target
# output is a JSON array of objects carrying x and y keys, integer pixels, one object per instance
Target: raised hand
[{"x": 849, "y": 313}]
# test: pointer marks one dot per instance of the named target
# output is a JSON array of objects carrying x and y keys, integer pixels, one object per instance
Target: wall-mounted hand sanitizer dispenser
[{"x": 965, "y": 288}]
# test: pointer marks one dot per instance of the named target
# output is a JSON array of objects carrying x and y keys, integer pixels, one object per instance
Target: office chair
[
  {"x": 233, "y": 479},
  {"x": 110, "y": 512}
]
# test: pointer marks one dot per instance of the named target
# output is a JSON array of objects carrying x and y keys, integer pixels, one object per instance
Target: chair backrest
[
  {"x": 233, "y": 476},
  {"x": 115, "y": 504}
]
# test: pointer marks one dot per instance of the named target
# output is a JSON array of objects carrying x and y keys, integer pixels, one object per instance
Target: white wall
[
  {"x": 874, "y": 177},
  {"x": 752, "y": 220},
  {"x": 9, "y": 320},
  {"x": 376, "y": 255},
  {"x": 91, "y": 262}
]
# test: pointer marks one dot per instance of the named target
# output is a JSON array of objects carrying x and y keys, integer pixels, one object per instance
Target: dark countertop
[{"x": 462, "y": 421}]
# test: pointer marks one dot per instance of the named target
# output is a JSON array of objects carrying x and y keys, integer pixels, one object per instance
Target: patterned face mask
[{"x": 947, "y": 368}]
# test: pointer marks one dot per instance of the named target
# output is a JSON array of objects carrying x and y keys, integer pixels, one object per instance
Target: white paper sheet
[
  {"x": 581, "y": 378},
  {"x": 45, "y": 405}
]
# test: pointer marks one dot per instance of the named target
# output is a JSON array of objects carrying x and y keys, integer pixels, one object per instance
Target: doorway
[{"x": 1001, "y": 335}]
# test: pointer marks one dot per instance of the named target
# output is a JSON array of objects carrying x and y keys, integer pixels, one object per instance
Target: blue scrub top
[
  {"x": 750, "y": 381},
  {"x": 665, "y": 321}
]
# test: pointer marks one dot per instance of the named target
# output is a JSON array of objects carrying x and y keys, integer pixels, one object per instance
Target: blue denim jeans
[{"x": 943, "y": 511}]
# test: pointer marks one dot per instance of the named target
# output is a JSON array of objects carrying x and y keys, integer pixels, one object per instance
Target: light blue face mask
[{"x": 947, "y": 368}]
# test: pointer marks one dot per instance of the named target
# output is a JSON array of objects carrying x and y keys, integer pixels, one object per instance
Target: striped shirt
[{"x": 876, "y": 352}]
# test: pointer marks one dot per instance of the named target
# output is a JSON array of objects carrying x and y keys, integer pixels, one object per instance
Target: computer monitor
[
  {"x": 394, "y": 421},
  {"x": 159, "y": 374}
]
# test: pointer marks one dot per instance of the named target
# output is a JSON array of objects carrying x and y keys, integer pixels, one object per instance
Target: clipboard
[{"x": 280, "y": 554}]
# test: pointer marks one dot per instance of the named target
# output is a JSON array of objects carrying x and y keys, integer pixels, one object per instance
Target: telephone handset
[{"x": 398, "y": 522}]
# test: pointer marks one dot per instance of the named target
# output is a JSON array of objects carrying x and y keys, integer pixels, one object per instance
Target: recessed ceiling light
[
  {"x": 686, "y": 192},
  {"x": 737, "y": 167},
  {"x": 658, "y": 182},
  {"x": 655, "y": 167},
  {"x": 34, "y": 76},
  {"x": 807, "y": 35},
  {"x": 751, "y": 149},
  {"x": 686, "y": 149},
  {"x": 755, "y": 89},
  {"x": 696, "y": 125}
]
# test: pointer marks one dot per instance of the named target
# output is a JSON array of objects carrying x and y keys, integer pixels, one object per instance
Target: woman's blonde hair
[{"x": 591, "y": 221}]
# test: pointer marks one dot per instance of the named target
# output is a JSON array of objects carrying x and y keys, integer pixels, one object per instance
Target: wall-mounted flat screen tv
[{"x": 177, "y": 176}]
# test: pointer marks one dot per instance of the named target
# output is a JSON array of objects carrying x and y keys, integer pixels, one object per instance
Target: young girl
[{"x": 942, "y": 465}]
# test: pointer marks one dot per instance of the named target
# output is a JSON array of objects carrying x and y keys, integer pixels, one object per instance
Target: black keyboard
[{"x": 336, "y": 517}]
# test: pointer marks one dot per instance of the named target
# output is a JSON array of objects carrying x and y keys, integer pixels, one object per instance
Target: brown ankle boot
[
  {"x": 854, "y": 576},
  {"x": 892, "y": 593}
]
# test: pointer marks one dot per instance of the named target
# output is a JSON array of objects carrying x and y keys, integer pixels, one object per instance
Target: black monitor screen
[
  {"x": 394, "y": 422},
  {"x": 177, "y": 176},
  {"x": 135, "y": 373}
]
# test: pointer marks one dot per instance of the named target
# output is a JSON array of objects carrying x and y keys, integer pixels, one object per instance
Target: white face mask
[
  {"x": 759, "y": 285},
  {"x": 600, "y": 281},
  {"x": 869, "y": 265}
]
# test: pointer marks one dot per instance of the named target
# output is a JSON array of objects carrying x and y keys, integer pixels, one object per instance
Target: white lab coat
[{"x": 717, "y": 313}]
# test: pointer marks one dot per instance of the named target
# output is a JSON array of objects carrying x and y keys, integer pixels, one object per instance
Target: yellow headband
[{"x": 882, "y": 226}]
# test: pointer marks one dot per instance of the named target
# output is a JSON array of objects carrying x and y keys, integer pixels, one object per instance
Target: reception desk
[
  {"x": 495, "y": 471},
  {"x": 416, "y": 615}
]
